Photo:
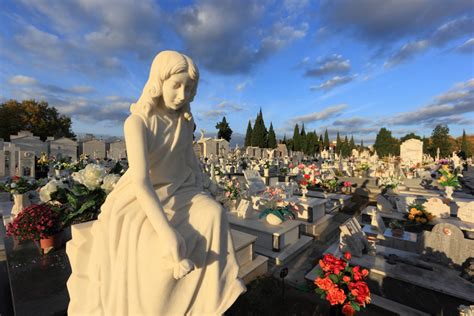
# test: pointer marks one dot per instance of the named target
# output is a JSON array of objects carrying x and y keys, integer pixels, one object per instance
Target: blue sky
[{"x": 348, "y": 66}]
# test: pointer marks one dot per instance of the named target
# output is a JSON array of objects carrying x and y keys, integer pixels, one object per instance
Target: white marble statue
[{"x": 160, "y": 246}]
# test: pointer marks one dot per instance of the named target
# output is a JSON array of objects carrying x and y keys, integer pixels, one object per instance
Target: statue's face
[{"x": 177, "y": 90}]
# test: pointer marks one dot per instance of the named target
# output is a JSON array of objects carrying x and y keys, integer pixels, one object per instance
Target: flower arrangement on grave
[
  {"x": 363, "y": 167},
  {"x": 418, "y": 214},
  {"x": 232, "y": 190},
  {"x": 341, "y": 284},
  {"x": 20, "y": 185},
  {"x": 389, "y": 183},
  {"x": 81, "y": 197},
  {"x": 330, "y": 184},
  {"x": 309, "y": 176},
  {"x": 346, "y": 186},
  {"x": 277, "y": 209},
  {"x": 35, "y": 222},
  {"x": 397, "y": 228},
  {"x": 448, "y": 179}
]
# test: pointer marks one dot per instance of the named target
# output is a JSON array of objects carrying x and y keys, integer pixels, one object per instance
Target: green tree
[
  {"x": 326, "y": 140},
  {"x": 409, "y": 136},
  {"x": 248, "y": 135},
  {"x": 352, "y": 144},
  {"x": 338, "y": 144},
  {"x": 296, "y": 138},
  {"x": 272, "y": 143},
  {"x": 36, "y": 117},
  {"x": 259, "y": 133},
  {"x": 426, "y": 145},
  {"x": 385, "y": 144},
  {"x": 223, "y": 130},
  {"x": 345, "y": 147},
  {"x": 362, "y": 144},
  {"x": 465, "y": 148},
  {"x": 440, "y": 139},
  {"x": 311, "y": 143},
  {"x": 303, "y": 140}
]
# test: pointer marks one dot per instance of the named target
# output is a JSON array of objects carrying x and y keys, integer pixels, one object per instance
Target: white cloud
[
  {"x": 329, "y": 65},
  {"x": 332, "y": 83},
  {"x": 22, "y": 80},
  {"x": 327, "y": 113}
]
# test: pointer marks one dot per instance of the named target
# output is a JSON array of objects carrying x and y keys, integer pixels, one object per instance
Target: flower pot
[
  {"x": 49, "y": 243},
  {"x": 20, "y": 201},
  {"x": 397, "y": 232},
  {"x": 449, "y": 192},
  {"x": 273, "y": 219}
]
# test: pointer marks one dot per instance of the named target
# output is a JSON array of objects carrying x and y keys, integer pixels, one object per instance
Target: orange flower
[
  {"x": 324, "y": 284},
  {"x": 348, "y": 310},
  {"x": 413, "y": 209},
  {"x": 336, "y": 296},
  {"x": 365, "y": 272},
  {"x": 346, "y": 279}
]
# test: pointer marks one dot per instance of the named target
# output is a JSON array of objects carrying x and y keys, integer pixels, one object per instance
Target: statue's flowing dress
[{"x": 124, "y": 268}]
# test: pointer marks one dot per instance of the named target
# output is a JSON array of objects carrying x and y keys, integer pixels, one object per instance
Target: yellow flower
[
  {"x": 442, "y": 179},
  {"x": 445, "y": 167}
]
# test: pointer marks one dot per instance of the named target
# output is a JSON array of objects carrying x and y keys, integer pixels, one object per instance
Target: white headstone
[
  {"x": 352, "y": 238},
  {"x": 411, "y": 151},
  {"x": 466, "y": 212},
  {"x": 245, "y": 208}
]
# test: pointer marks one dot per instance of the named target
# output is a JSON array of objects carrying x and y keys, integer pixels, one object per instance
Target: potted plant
[
  {"x": 448, "y": 180},
  {"x": 390, "y": 184},
  {"x": 346, "y": 187},
  {"x": 277, "y": 209},
  {"x": 418, "y": 216},
  {"x": 266, "y": 168},
  {"x": 232, "y": 192},
  {"x": 37, "y": 222},
  {"x": 19, "y": 187},
  {"x": 397, "y": 228},
  {"x": 342, "y": 285}
]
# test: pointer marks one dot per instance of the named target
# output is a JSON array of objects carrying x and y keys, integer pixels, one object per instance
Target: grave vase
[
  {"x": 449, "y": 192},
  {"x": 20, "y": 201},
  {"x": 266, "y": 172},
  {"x": 49, "y": 243}
]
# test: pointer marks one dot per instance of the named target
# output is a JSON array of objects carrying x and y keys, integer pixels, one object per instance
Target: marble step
[
  {"x": 252, "y": 270},
  {"x": 286, "y": 254},
  {"x": 270, "y": 237},
  {"x": 243, "y": 245}
]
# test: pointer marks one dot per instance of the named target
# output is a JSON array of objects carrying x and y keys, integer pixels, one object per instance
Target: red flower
[
  {"x": 361, "y": 291},
  {"x": 307, "y": 176},
  {"x": 15, "y": 178},
  {"x": 336, "y": 296},
  {"x": 347, "y": 255},
  {"x": 348, "y": 310},
  {"x": 304, "y": 182},
  {"x": 324, "y": 284},
  {"x": 346, "y": 279},
  {"x": 365, "y": 272}
]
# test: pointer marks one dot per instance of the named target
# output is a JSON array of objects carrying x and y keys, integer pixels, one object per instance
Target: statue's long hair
[{"x": 165, "y": 64}]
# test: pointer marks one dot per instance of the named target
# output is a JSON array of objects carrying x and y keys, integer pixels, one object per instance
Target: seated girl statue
[{"x": 160, "y": 246}]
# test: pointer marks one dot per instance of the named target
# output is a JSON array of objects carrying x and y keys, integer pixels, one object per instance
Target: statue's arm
[{"x": 136, "y": 142}]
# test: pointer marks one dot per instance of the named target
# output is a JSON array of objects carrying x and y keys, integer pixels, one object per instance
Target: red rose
[
  {"x": 346, "y": 279},
  {"x": 348, "y": 310},
  {"x": 347, "y": 255},
  {"x": 307, "y": 176},
  {"x": 324, "y": 284},
  {"x": 361, "y": 291},
  {"x": 365, "y": 272},
  {"x": 329, "y": 258},
  {"x": 336, "y": 296}
]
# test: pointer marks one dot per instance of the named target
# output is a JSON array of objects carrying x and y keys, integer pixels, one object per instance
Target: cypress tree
[
  {"x": 296, "y": 138},
  {"x": 272, "y": 143},
  {"x": 362, "y": 144},
  {"x": 338, "y": 144},
  {"x": 326, "y": 140},
  {"x": 465, "y": 145},
  {"x": 259, "y": 133},
  {"x": 303, "y": 140},
  {"x": 352, "y": 143},
  {"x": 248, "y": 135}
]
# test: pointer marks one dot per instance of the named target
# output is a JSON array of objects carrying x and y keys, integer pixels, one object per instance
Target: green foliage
[
  {"x": 248, "y": 135},
  {"x": 440, "y": 139},
  {"x": 272, "y": 142},
  {"x": 409, "y": 136},
  {"x": 303, "y": 140},
  {"x": 296, "y": 139},
  {"x": 326, "y": 140},
  {"x": 426, "y": 145},
  {"x": 385, "y": 144},
  {"x": 259, "y": 133},
  {"x": 36, "y": 117},
  {"x": 465, "y": 146},
  {"x": 224, "y": 130}
]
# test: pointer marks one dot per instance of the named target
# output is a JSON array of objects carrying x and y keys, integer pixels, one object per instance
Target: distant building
[
  {"x": 205, "y": 147},
  {"x": 63, "y": 148},
  {"x": 94, "y": 148},
  {"x": 117, "y": 150},
  {"x": 26, "y": 141}
]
